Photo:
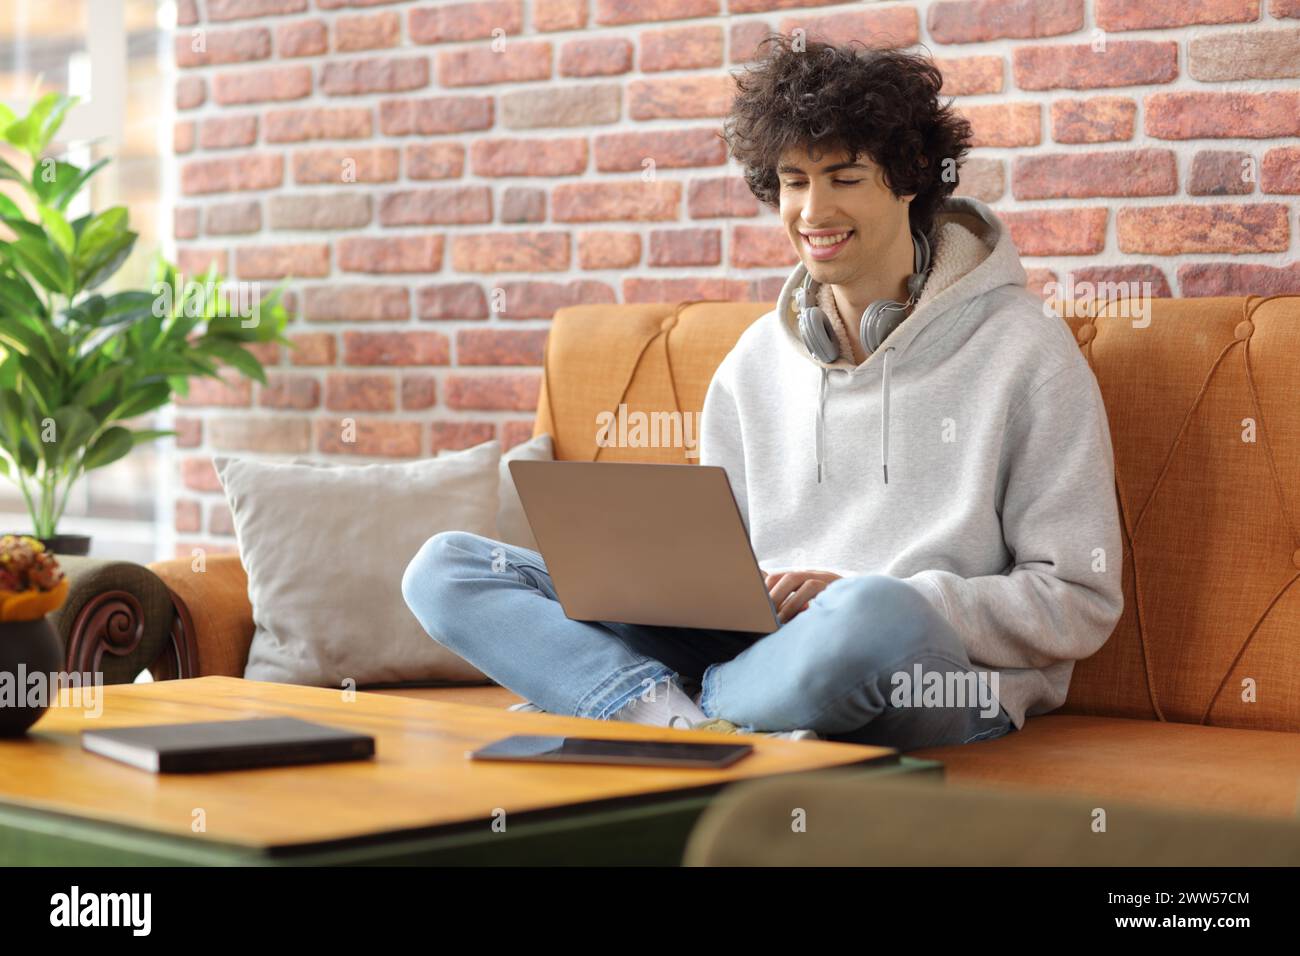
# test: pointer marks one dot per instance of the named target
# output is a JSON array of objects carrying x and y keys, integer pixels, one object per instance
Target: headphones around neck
[{"x": 879, "y": 320}]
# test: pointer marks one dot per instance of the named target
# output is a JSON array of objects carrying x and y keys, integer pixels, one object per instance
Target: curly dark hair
[{"x": 884, "y": 103}]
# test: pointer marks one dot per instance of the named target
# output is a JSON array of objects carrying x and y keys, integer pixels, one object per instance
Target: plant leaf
[
  {"x": 26, "y": 341},
  {"x": 16, "y": 295},
  {"x": 73, "y": 427},
  {"x": 10, "y": 208},
  {"x": 58, "y": 229},
  {"x": 44, "y": 391},
  {"x": 7, "y": 171},
  {"x": 11, "y": 415},
  {"x": 127, "y": 307},
  {"x": 112, "y": 444},
  {"x": 142, "y": 399},
  {"x": 33, "y": 251},
  {"x": 54, "y": 117},
  {"x": 121, "y": 308},
  {"x": 109, "y": 260},
  {"x": 58, "y": 191},
  {"x": 34, "y": 131},
  {"x": 100, "y": 230},
  {"x": 99, "y": 388},
  {"x": 141, "y": 435},
  {"x": 236, "y": 356}
]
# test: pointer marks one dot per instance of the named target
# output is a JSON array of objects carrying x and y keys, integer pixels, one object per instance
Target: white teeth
[{"x": 827, "y": 240}]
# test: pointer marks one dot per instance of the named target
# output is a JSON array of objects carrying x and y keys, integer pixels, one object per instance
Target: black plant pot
[
  {"x": 72, "y": 544},
  {"x": 35, "y": 646}
]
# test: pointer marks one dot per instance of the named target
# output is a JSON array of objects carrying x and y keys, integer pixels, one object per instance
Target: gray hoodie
[{"x": 979, "y": 410}]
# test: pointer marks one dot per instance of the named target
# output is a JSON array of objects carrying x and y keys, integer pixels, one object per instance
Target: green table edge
[{"x": 644, "y": 831}]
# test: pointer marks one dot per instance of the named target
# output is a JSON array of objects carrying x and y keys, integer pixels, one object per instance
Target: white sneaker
[
  {"x": 719, "y": 726},
  {"x": 527, "y": 707},
  {"x": 797, "y": 735}
]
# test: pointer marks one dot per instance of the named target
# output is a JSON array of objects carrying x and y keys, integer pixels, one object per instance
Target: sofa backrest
[{"x": 1203, "y": 399}]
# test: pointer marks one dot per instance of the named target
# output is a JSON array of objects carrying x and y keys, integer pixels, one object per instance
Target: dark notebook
[{"x": 227, "y": 744}]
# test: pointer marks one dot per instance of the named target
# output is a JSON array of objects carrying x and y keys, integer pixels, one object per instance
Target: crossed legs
[{"x": 835, "y": 668}]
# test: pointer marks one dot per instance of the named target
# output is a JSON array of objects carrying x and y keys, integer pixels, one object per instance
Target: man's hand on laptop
[{"x": 792, "y": 590}]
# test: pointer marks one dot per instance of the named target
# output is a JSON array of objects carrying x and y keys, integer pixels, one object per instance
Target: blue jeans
[{"x": 833, "y": 668}]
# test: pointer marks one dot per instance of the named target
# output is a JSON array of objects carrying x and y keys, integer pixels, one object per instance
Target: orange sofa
[{"x": 1194, "y": 700}]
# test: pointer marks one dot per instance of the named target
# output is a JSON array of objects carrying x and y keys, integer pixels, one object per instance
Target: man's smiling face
[{"x": 822, "y": 201}]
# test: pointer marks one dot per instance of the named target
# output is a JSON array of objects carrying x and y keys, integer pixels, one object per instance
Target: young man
[{"x": 920, "y": 454}]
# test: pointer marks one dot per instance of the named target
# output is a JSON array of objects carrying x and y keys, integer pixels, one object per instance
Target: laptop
[{"x": 645, "y": 544}]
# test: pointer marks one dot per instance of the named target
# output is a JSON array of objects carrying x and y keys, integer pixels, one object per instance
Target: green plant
[{"x": 76, "y": 364}]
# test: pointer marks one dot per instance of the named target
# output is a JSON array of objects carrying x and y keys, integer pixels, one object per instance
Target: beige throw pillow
[
  {"x": 512, "y": 523},
  {"x": 325, "y": 547}
]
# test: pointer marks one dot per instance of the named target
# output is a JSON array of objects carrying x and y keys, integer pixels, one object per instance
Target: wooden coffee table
[{"x": 420, "y": 800}]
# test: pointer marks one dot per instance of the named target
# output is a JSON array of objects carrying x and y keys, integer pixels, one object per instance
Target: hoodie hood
[{"x": 973, "y": 254}]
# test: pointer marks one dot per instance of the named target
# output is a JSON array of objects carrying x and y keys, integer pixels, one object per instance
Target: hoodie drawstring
[
  {"x": 884, "y": 414},
  {"x": 821, "y": 423},
  {"x": 884, "y": 418}
]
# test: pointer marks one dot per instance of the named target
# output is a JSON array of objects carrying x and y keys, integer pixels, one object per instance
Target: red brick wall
[{"x": 436, "y": 194}]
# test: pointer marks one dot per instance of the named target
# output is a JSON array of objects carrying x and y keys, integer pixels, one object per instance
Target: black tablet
[{"x": 651, "y": 753}]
